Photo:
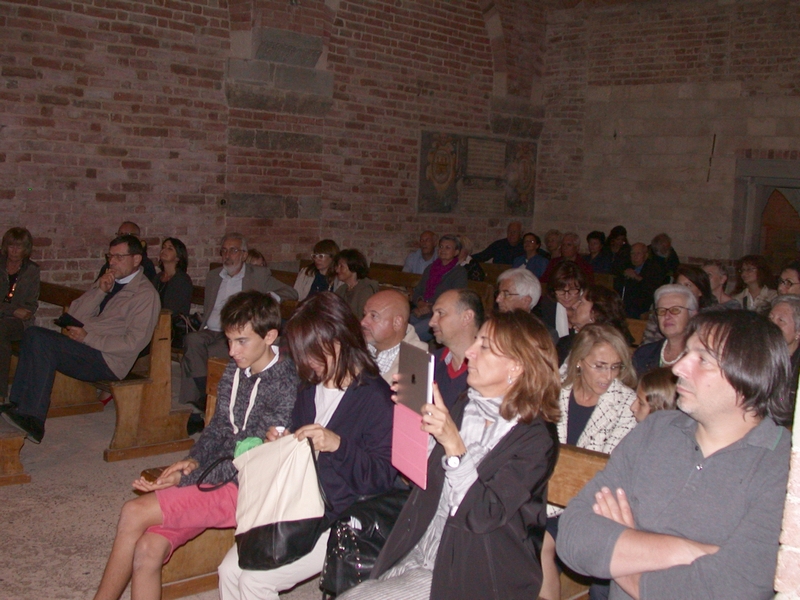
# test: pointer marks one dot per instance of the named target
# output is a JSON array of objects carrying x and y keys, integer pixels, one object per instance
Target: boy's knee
[{"x": 150, "y": 552}]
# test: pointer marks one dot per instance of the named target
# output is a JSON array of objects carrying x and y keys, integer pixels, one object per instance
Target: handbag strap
[
  {"x": 214, "y": 486},
  {"x": 328, "y": 506}
]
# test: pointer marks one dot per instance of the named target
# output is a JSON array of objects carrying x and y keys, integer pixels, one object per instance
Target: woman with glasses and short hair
[
  {"x": 675, "y": 306},
  {"x": 320, "y": 275},
  {"x": 596, "y": 395},
  {"x": 565, "y": 286},
  {"x": 754, "y": 279},
  {"x": 789, "y": 282}
]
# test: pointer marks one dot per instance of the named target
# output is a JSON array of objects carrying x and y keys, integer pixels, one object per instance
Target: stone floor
[{"x": 56, "y": 532}]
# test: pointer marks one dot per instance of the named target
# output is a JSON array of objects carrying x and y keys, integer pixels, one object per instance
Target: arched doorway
[{"x": 780, "y": 231}]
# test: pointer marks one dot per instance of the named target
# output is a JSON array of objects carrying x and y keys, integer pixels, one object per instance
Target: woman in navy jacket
[
  {"x": 345, "y": 408},
  {"x": 476, "y": 531}
]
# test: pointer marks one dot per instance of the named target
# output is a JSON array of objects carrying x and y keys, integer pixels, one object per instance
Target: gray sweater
[
  {"x": 273, "y": 406},
  {"x": 732, "y": 498}
]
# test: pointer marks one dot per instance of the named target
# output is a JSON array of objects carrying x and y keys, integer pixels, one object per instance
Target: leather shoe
[{"x": 32, "y": 427}]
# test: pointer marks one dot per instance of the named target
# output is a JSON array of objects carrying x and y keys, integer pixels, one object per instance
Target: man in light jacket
[{"x": 118, "y": 315}]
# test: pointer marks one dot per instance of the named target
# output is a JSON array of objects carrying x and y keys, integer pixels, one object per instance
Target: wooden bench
[
  {"x": 193, "y": 567},
  {"x": 637, "y": 328},
  {"x": 574, "y": 469},
  {"x": 493, "y": 271},
  {"x": 11, "y": 469}
]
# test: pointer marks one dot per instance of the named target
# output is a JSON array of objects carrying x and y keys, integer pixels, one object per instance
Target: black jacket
[{"x": 490, "y": 548}]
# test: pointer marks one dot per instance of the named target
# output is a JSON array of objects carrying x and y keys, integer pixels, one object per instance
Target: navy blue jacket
[
  {"x": 647, "y": 357},
  {"x": 362, "y": 466}
]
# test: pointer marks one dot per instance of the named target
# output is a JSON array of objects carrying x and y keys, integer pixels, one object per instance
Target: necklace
[{"x": 663, "y": 362}]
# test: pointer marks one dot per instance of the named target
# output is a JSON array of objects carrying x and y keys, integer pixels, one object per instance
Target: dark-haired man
[
  {"x": 119, "y": 313},
  {"x": 131, "y": 228},
  {"x": 257, "y": 391},
  {"x": 690, "y": 504}
]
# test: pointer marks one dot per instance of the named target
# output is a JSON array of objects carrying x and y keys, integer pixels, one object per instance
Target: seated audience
[
  {"x": 620, "y": 250},
  {"x": 570, "y": 250},
  {"x": 457, "y": 317},
  {"x": 565, "y": 288},
  {"x": 697, "y": 281},
  {"x": 517, "y": 289},
  {"x": 19, "y": 288},
  {"x": 118, "y": 314},
  {"x": 599, "y": 256},
  {"x": 320, "y": 275},
  {"x": 474, "y": 270},
  {"x": 690, "y": 504},
  {"x": 718, "y": 278},
  {"x": 221, "y": 283},
  {"x": 675, "y": 305},
  {"x": 789, "y": 282},
  {"x": 656, "y": 391},
  {"x": 256, "y": 392},
  {"x": 352, "y": 270},
  {"x": 755, "y": 276},
  {"x": 785, "y": 314},
  {"x": 443, "y": 274},
  {"x": 173, "y": 283},
  {"x": 638, "y": 281},
  {"x": 131, "y": 228},
  {"x": 420, "y": 259},
  {"x": 345, "y": 408},
  {"x": 503, "y": 252},
  {"x": 475, "y": 531},
  {"x": 597, "y": 304},
  {"x": 661, "y": 249},
  {"x": 552, "y": 243},
  {"x": 385, "y": 325},
  {"x": 532, "y": 259},
  {"x": 254, "y": 257},
  {"x": 595, "y": 402}
]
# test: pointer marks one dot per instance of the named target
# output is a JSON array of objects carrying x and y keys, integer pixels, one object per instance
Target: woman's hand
[
  {"x": 436, "y": 420},
  {"x": 76, "y": 333},
  {"x": 169, "y": 477},
  {"x": 324, "y": 440}
]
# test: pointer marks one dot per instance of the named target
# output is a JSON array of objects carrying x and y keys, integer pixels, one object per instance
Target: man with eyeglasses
[
  {"x": 131, "y": 228},
  {"x": 232, "y": 277},
  {"x": 115, "y": 322},
  {"x": 690, "y": 503}
]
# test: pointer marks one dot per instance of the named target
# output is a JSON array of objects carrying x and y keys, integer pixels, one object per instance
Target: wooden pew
[
  {"x": 637, "y": 327},
  {"x": 574, "y": 468},
  {"x": 11, "y": 470},
  {"x": 193, "y": 567},
  {"x": 493, "y": 271},
  {"x": 146, "y": 422},
  {"x": 604, "y": 279}
]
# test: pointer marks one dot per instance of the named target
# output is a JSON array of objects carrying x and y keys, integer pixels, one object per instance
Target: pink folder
[{"x": 410, "y": 445}]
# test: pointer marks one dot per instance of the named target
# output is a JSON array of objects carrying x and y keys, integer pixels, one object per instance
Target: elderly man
[
  {"x": 131, "y": 228},
  {"x": 385, "y": 325},
  {"x": 518, "y": 288},
  {"x": 233, "y": 277},
  {"x": 116, "y": 316},
  {"x": 570, "y": 250},
  {"x": 418, "y": 261},
  {"x": 639, "y": 280},
  {"x": 690, "y": 503},
  {"x": 457, "y": 317},
  {"x": 503, "y": 252}
]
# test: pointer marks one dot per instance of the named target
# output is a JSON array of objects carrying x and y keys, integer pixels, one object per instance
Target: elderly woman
[
  {"x": 789, "y": 282},
  {"x": 785, "y": 314},
  {"x": 598, "y": 304},
  {"x": 675, "y": 305},
  {"x": 718, "y": 278},
  {"x": 475, "y": 532},
  {"x": 596, "y": 396},
  {"x": 474, "y": 270},
  {"x": 532, "y": 259},
  {"x": 598, "y": 257},
  {"x": 755, "y": 275},
  {"x": 320, "y": 275},
  {"x": 345, "y": 409},
  {"x": 19, "y": 288},
  {"x": 173, "y": 283},
  {"x": 565, "y": 288},
  {"x": 352, "y": 270},
  {"x": 441, "y": 275}
]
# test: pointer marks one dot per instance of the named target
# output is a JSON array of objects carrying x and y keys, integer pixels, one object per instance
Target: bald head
[
  {"x": 385, "y": 319},
  {"x": 514, "y": 233},
  {"x": 638, "y": 254}
]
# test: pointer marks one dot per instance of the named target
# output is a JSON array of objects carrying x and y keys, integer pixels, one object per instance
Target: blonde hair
[{"x": 593, "y": 335}]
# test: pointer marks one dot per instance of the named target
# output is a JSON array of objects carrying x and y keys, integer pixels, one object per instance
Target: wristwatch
[{"x": 454, "y": 461}]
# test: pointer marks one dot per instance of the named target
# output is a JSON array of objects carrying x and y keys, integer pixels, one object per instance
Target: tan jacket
[{"x": 125, "y": 326}]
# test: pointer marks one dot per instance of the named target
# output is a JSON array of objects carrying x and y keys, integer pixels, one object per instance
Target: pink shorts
[{"x": 188, "y": 512}]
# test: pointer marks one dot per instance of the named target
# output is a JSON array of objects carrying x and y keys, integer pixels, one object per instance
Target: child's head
[
  {"x": 656, "y": 391},
  {"x": 251, "y": 321}
]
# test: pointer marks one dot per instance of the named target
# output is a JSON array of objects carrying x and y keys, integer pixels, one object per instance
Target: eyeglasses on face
[
  {"x": 568, "y": 292},
  {"x": 748, "y": 269},
  {"x": 601, "y": 368},
  {"x": 230, "y": 251},
  {"x": 110, "y": 257},
  {"x": 787, "y": 282},
  {"x": 321, "y": 255},
  {"x": 505, "y": 294},
  {"x": 673, "y": 310}
]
